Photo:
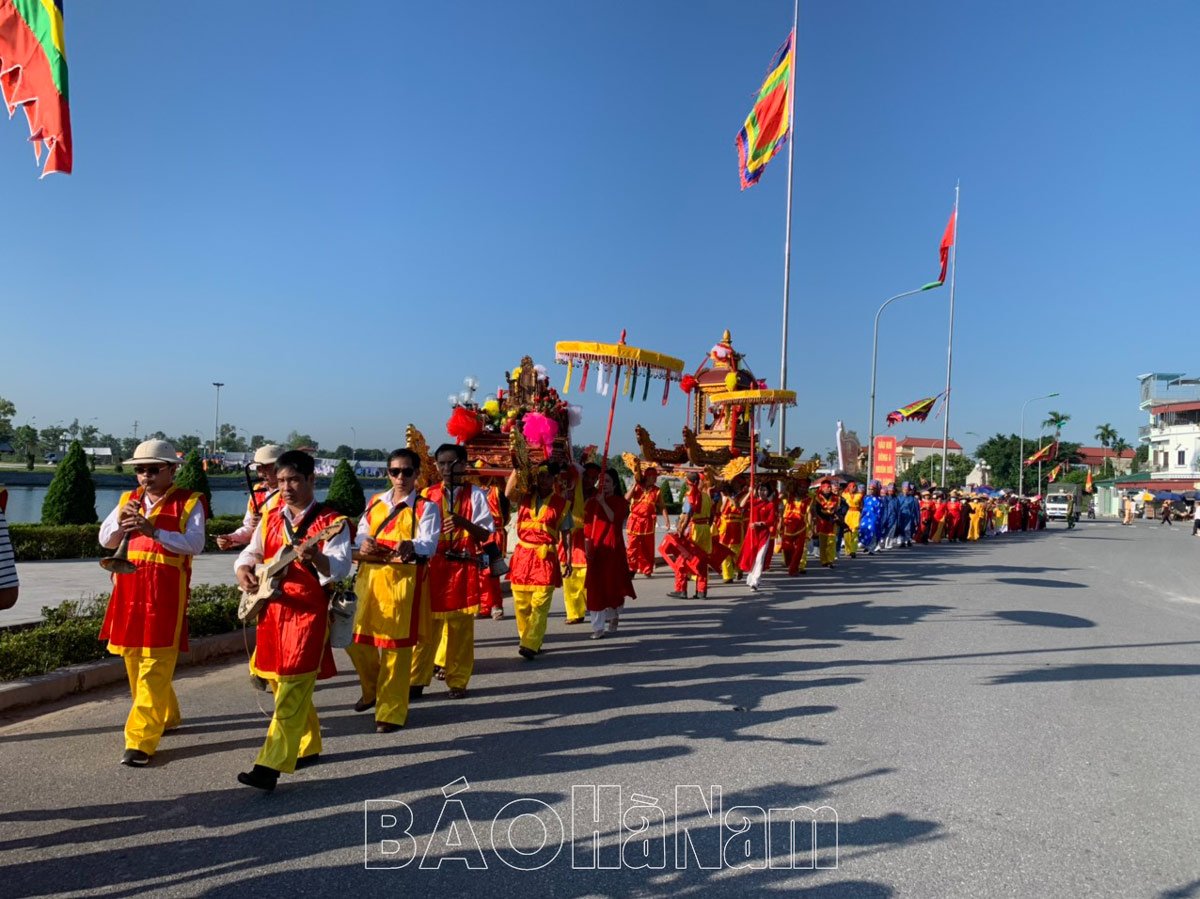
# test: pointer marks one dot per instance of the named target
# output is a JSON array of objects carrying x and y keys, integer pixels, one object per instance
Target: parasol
[{"x": 609, "y": 360}]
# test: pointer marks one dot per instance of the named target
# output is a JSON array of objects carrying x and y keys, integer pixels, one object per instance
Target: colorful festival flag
[
  {"x": 1088, "y": 486},
  {"x": 769, "y": 122},
  {"x": 33, "y": 76},
  {"x": 944, "y": 252},
  {"x": 1054, "y": 473},
  {"x": 918, "y": 411},
  {"x": 1047, "y": 452}
]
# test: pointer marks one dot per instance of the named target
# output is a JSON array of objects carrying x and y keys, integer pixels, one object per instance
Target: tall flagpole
[
  {"x": 787, "y": 234},
  {"x": 950, "y": 344}
]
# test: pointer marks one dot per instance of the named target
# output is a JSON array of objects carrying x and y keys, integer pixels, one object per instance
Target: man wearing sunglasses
[
  {"x": 397, "y": 533},
  {"x": 146, "y": 620}
]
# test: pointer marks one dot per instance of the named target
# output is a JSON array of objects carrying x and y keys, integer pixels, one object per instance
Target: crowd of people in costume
[{"x": 430, "y": 562}]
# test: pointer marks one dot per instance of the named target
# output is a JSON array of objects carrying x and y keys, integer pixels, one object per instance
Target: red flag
[
  {"x": 947, "y": 243},
  {"x": 1088, "y": 486}
]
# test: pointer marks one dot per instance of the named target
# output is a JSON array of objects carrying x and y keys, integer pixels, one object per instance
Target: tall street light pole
[
  {"x": 354, "y": 448},
  {"x": 874, "y": 361},
  {"x": 217, "y": 417},
  {"x": 1021, "y": 459}
]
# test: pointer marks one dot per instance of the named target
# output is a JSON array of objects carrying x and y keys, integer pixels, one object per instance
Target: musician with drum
[
  {"x": 156, "y": 529},
  {"x": 292, "y": 650}
]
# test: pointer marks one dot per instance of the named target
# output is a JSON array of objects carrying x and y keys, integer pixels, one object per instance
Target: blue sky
[{"x": 340, "y": 215}]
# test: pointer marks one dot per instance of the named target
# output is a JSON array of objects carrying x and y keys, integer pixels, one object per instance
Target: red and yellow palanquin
[
  {"x": 455, "y": 594},
  {"x": 292, "y": 650},
  {"x": 535, "y": 570},
  {"x": 794, "y": 525},
  {"x": 146, "y": 619},
  {"x": 392, "y": 613}
]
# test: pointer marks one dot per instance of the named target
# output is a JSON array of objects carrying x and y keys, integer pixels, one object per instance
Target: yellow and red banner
[
  {"x": 1045, "y": 454},
  {"x": 769, "y": 123},
  {"x": 33, "y": 76}
]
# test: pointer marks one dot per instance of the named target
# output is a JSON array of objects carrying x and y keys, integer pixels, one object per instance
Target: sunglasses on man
[
  {"x": 151, "y": 470},
  {"x": 402, "y": 472}
]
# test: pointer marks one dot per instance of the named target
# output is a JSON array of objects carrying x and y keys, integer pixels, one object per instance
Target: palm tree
[
  {"x": 1056, "y": 420},
  {"x": 1119, "y": 445},
  {"x": 1106, "y": 434}
]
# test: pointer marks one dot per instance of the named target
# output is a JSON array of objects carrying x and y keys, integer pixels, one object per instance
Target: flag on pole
[
  {"x": 1088, "y": 486},
  {"x": 918, "y": 411},
  {"x": 1054, "y": 473},
  {"x": 1047, "y": 452},
  {"x": 33, "y": 76},
  {"x": 944, "y": 251},
  {"x": 769, "y": 122}
]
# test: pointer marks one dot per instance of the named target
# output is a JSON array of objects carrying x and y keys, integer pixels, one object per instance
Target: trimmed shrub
[
  {"x": 36, "y": 542},
  {"x": 345, "y": 492},
  {"x": 71, "y": 497},
  {"x": 191, "y": 476}
]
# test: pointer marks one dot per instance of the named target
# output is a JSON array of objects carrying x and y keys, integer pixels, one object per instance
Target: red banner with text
[{"x": 885, "y": 460}]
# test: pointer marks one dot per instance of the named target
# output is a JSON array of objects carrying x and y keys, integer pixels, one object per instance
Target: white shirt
[
  {"x": 337, "y": 548},
  {"x": 429, "y": 526},
  {"x": 481, "y": 512},
  {"x": 189, "y": 543},
  {"x": 250, "y": 520}
]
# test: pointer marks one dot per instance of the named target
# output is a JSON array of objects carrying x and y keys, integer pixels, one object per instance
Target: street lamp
[
  {"x": 354, "y": 445},
  {"x": 217, "y": 417},
  {"x": 874, "y": 360},
  {"x": 1021, "y": 460}
]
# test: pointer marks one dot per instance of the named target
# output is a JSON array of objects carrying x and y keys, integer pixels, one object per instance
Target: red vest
[
  {"x": 534, "y": 562},
  {"x": 643, "y": 507},
  {"x": 148, "y": 607},
  {"x": 453, "y": 585},
  {"x": 795, "y": 517},
  {"x": 293, "y": 630}
]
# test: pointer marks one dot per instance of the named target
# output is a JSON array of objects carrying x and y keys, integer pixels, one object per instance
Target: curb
[{"x": 81, "y": 678}]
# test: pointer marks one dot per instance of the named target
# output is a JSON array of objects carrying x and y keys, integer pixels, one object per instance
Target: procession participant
[
  {"x": 609, "y": 580},
  {"x": 925, "y": 517},
  {"x": 453, "y": 572},
  {"x": 853, "y": 517},
  {"x": 1000, "y": 515},
  {"x": 940, "y": 515},
  {"x": 908, "y": 514},
  {"x": 794, "y": 525},
  {"x": 758, "y": 547},
  {"x": 397, "y": 534},
  {"x": 292, "y": 645},
  {"x": 889, "y": 517},
  {"x": 1031, "y": 514},
  {"x": 535, "y": 569},
  {"x": 10, "y": 585},
  {"x": 491, "y": 596},
  {"x": 645, "y": 504},
  {"x": 871, "y": 523},
  {"x": 264, "y": 493},
  {"x": 146, "y": 619},
  {"x": 954, "y": 516},
  {"x": 695, "y": 524},
  {"x": 731, "y": 532},
  {"x": 825, "y": 520},
  {"x": 974, "y": 509},
  {"x": 572, "y": 552},
  {"x": 1016, "y": 515}
]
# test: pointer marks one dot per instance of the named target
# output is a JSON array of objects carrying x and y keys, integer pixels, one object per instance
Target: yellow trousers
[
  {"x": 532, "y": 605},
  {"x": 729, "y": 567},
  {"x": 574, "y": 592},
  {"x": 828, "y": 545},
  {"x": 850, "y": 541},
  {"x": 458, "y": 631},
  {"x": 294, "y": 730},
  {"x": 155, "y": 707},
  {"x": 384, "y": 675}
]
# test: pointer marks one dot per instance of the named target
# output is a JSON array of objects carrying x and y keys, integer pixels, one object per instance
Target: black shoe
[
  {"x": 260, "y": 777},
  {"x": 678, "y": 594},
  {"x": 135, "y": 758},
  {"x": 386, "y": 727},
  {"x": 260, "y": 683},
  {"x": 439, "y": 672},
  {"x": 306, "y": 761},
  {"x": 415, "y": 691},
  {"x": 457, "y": 693},
  {"x": 526, "y": 653},
  {"x": 703, "y": 594},
  {"x": 362, "y": 705}
]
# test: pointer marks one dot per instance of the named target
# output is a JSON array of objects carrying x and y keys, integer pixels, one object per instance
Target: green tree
[
  {"x": 229, "y": 441},
  {"x": 1119, "y": 446},
  {"x": 958, "y": 467},
  {"x": 343, "y": 452},
  {"x": 1106, "y": 434},
  {"x": 1141, "y": 457},
  {"x": 664, "y": 490},
  {"x": 7, "y": 411},
  {"x": 296, "y": 440},
  {"x": 185, "y": 443},
  {"x": 1056, "y": 420},
  {"x": 71, "y": 497},
  {"x": 191, "y": 476},
  {"x": 345, "y": 492},
  {"x": 25, "y": 442}
]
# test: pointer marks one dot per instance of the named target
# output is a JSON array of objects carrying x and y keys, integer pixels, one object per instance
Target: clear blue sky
[{"x": 340, "y": 210}]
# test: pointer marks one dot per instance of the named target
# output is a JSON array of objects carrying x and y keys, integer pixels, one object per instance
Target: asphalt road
[{"x": 1011, "y": 718}]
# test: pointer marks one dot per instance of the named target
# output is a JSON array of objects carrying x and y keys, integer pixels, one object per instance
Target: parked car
[{"x": 53, "y": 458}]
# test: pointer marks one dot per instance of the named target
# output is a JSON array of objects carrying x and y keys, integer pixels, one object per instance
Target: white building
[{"x": 1173, "y": 434}]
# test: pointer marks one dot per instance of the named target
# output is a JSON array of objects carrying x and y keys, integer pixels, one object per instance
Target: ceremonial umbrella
[
  {"x": 609, "y": 360},
  {"x": 752, "y": 400}
]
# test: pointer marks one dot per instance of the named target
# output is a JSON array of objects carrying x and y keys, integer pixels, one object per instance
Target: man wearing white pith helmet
[
  {"x": 146, "y": 620},
  {"x": 264, "y": 495}
]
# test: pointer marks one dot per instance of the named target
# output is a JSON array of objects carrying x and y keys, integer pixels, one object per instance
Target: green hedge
[
  {"x": 70, "y": 634},
  {"x": 33, "y": 542}
]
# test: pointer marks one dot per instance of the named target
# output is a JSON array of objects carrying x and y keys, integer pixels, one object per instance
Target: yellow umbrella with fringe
[{"x": 752, "y": 401}]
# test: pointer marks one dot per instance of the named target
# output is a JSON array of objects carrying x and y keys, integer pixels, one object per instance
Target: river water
[{"x": 25, "y": 503}]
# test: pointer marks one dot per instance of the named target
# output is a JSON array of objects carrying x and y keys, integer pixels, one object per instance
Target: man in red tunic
[
  {"x": 795, "y": 524},
  {"x": 645, "y": 504},
  {"x": 292, "y": 648},
  {"x": 695, "y": 524},
  {"x": 146, "y": 620},
  {"x": 535, "y": 568}
]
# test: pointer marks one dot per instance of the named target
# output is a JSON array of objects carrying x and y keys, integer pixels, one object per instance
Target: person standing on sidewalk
[
  {"x": 9, "y": 585},
  {"x": 1165, "y": 514},
  {"x": 397, "y": 534},
  {"x": 146, "y": 619},
  {"x": 292, "y": 648}
]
